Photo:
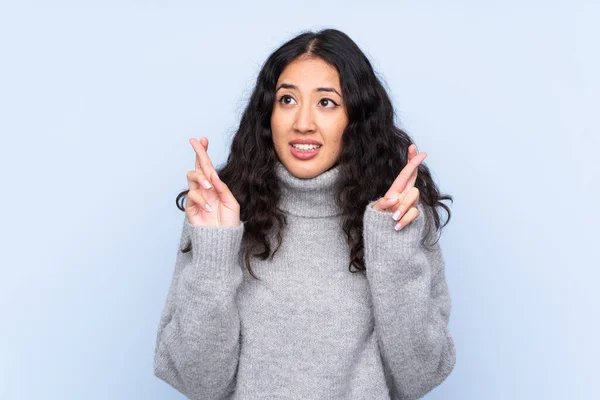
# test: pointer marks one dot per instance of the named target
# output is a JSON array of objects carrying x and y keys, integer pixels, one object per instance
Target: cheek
[
  {"x": 338, "y": 146},
  {"x": 334, "y": 146},
  {"x": 275, "y": 130},
  {"x": 336, "y": 140},
  {"x": 277, "y": 126}
]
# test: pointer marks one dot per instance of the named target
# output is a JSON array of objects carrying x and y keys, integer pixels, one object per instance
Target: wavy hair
[{"x": 374, "y": 149}]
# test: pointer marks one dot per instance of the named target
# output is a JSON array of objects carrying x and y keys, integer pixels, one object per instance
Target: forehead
[{"x": 307, "y": 73}]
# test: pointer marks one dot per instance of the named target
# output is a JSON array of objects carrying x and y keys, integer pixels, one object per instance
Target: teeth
[{"x": 306, "y": 146}]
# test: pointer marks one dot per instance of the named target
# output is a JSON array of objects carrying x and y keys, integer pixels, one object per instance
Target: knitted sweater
[{"x": 309, "y": 329}]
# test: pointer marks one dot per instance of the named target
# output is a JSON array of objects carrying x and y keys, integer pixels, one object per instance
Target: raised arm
[
  {"x": 197, "y": 345},
  {"x": 411, "y": 304}
]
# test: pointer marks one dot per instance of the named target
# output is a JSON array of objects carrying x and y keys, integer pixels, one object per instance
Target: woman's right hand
[{"x": 206, "y": 189}]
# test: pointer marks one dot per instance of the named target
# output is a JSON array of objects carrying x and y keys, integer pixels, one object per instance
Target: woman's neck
[{"x": 313, "y": 197}]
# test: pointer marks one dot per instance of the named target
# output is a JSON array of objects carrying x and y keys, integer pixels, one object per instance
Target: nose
[{"x": 305, "y": 119}]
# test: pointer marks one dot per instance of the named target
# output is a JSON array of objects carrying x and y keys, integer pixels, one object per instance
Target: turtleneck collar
[{"x": 312, "y": 197}]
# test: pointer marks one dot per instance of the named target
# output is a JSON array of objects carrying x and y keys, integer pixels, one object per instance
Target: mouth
[
  {"x": 305, "y": 147},
  {"x": 304, "y": 151}
]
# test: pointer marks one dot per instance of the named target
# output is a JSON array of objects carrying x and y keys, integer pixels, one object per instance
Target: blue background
[{"x": 98, "y": 101}]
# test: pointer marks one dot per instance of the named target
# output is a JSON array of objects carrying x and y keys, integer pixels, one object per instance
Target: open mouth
[
  {"x": 304, "y": 151},
  {"x": 306, "y": 147}
]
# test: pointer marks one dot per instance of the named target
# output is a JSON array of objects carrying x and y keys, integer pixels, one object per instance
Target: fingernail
[
  {"x": 398, "y": 226},
  {"x": 208, "y": 207},
  {"x": 396, "y": 215},
  {"x": 206, "y": 184},
  {"x": 392, "y": 199},
  {"x": 216, "y": 176}
]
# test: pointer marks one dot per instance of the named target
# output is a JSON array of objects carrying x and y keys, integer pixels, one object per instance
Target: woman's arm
[
  {"x": 411, "y": 303},
  {"x": 197, "y": 345}
]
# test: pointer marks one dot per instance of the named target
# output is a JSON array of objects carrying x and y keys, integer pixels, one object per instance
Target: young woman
[{"x": 305, "y": 268}]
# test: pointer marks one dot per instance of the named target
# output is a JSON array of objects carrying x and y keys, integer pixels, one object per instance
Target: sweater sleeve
[
  {"x": 197, "y": 345},
  {"x": 411, "y": 303}
]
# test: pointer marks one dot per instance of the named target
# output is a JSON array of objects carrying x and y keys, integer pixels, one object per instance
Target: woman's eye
[
  {"x": 285, "y": 96},
  {"x": 326, "y": 103},
  {"x": 329, "y": 102}
]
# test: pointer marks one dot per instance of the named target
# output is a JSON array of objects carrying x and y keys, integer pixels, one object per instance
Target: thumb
[{"x": 388, "y": 201}]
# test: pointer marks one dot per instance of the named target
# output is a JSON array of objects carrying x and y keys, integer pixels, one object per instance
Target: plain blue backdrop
[{"x": 99, "y": 99}]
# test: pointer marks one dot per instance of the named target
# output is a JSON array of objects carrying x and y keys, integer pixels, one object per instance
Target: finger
[
  {"x": 410, "y": 216},
  {"x": 197, "y": 178},
  {"x": 203, "y": 162},
  {"x": 392, "y": 198},
  {"x": 204, "y": 142},
  {"x": 411, "y": 181},
  {"x": 410, "y": 200},
  {"x": 224, "y": 193},
  {"x": 197, "y": 199},
  {"x": 403, "y": 178},
  {"x": 412, "y": 151},
  {"x": 197, "y": 161}
]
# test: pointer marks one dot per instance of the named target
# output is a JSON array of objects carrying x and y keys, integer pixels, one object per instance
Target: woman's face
[{"x": 308, "y": 106}]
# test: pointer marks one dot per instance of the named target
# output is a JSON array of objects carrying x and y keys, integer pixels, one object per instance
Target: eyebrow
[{"x": 319, "y": 89}]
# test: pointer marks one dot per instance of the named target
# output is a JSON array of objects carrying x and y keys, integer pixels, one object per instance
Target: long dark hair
[{"x": 374, "y": 150}]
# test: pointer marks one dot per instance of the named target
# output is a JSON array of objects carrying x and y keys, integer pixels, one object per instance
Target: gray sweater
[{"x": 310, "y": 329}]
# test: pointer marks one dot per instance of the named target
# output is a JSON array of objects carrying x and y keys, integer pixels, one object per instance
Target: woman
[{"x": 304, "y": 269}]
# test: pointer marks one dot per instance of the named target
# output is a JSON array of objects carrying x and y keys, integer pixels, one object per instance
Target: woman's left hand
[{"x": 404, "y": 196}]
